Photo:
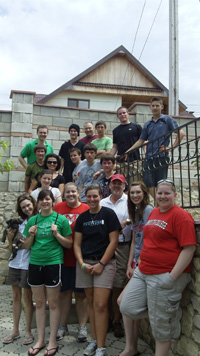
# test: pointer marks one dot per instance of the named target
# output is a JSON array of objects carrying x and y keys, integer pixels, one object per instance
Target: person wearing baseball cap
[
  {"x": 118, "y": 177},
  {"x": 74, "y": 131}
]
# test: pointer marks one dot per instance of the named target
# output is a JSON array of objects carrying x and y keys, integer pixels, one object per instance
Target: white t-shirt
[{"x": 55, "y": 192}]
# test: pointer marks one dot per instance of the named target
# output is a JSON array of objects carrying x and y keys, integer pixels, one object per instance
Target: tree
[{"x": 8, "y": 165}]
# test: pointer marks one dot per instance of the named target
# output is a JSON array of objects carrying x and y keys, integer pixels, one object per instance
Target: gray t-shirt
[
  {"x": 86, "y": 177},
  {"x": 137, "y": 227}
]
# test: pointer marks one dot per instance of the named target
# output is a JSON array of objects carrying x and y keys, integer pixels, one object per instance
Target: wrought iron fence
[{"x": 183, "y": 162}]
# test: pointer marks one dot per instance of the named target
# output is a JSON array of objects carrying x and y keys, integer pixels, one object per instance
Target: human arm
[
  {"x": 179, "y": 136},
  {"x": 78, "y": 253},
  {"x": 28, "y": 242},
  {"x": 33, "y": 185},
  {"x": 183, "y": 261},
  {"x": 100, "y": 153},
  {"x": 137, "y": 144},
  {"x": 61, "y": 187},
  {"x": 26, "y": 183},
  {"x": 65, "y": 241},
  {"x": 22, "y": 161},
  {"x": 114, "y": 149},
  {"x": 129, "y": 270}
]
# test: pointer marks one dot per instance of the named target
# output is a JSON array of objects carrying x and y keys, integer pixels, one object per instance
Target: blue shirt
[{"x": 154, "y": 129}]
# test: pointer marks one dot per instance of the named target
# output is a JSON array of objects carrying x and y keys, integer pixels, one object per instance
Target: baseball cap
[{"x": 118, "y": 177}]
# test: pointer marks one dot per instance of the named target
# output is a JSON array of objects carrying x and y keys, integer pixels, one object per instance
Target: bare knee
[{"x": 100, "y": 307}]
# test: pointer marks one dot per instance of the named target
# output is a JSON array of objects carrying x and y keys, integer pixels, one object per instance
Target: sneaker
[
  {"x": 118, "y": 330},
  {"x": 82, "y": 334},
  {"x": 62, "y": 331},
  {"x": 91, "y": 348},
  {"x": 101, "y": 351}
]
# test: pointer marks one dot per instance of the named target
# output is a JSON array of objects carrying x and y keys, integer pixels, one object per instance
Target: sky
[{"x": 45, "y": 43}]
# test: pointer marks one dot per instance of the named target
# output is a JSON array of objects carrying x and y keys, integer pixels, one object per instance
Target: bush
[{"x": 8, "y": 165}]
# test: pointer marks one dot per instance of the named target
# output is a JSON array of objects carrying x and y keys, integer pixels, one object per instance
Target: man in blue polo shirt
[
  {"x": 28, "y": 150},
  {"x": 157, "y": 152}
]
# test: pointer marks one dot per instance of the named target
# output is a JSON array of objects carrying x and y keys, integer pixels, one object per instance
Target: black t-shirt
[
  {"x": 95, "y": 229},
  {"x": 125, "y": 136},
  {"x": 68, "y": 165}
]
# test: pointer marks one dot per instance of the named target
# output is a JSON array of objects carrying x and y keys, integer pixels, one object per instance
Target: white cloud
[{"x": 44, "y": 43}]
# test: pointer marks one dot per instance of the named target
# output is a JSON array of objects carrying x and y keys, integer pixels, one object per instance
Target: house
[{"x": 117, "y": 79}]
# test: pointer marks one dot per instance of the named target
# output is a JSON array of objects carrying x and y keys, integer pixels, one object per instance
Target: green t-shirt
[
  {"x": 46, "y": 250},
  {"x": 28, "y": 150},
  {"x": 104, "y": 143}
]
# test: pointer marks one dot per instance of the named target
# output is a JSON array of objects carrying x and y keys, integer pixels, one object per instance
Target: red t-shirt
[
  {"x": 164, "y": 236},
  {"x": 71, "y": 214}
]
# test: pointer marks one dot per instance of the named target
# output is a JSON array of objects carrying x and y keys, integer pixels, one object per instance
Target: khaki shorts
[
  {"x": 103, "y": 280},
  {"x": 160, "y": 296},
  {"x": 121, "y": 254},
  {"x": 17, "y": 277}
]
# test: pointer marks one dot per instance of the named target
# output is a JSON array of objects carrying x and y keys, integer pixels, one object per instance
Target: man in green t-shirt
[
  {"x": 103, "y": 143},
  {"x": 36, "y": 167},
  {"x": 28, "y": 150}
]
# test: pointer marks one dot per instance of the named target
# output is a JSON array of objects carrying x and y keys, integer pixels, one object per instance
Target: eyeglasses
[
  {"x": 52, "y": 162},
  {"x": 167, "y": 181}
]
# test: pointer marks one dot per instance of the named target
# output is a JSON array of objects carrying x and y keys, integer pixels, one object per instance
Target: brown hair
[
  {"x": 20, "y": 199},
  {"x": 91, "y": 187},
  {"x": 108, "y": 157},
  {"x": 144, "y": 203},
  {"x": 40, "y": 146},
  {"x": 157, "y": 99}
]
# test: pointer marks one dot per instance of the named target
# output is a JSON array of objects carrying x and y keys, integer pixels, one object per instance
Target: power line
[{"x": 150, "y": 29}]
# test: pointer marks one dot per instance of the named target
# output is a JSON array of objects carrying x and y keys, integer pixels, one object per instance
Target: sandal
[
  {"x": 31, "y": 353},
  {"x": 28, "y": 339},
  {"x": 51, "y": 354},
  {"x": 10, "y": 339}
]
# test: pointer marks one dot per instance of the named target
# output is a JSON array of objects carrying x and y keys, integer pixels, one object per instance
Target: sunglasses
[
  {"x": 167, "y": 181},
  {"x": 52, "y": 162}
]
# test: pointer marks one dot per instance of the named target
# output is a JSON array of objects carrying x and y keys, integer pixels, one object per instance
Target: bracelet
[
  {"x": 103, "y": 264},
  {"x": 83, "y": 266}
]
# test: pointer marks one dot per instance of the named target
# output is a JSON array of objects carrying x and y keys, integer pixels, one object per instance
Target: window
[{"x": 79, "y": 103}]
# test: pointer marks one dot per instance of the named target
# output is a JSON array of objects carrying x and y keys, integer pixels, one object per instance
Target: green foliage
[{"x": 8, "y": 165}]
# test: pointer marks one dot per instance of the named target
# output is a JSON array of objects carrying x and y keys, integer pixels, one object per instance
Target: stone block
[
  {"x": 88, "y": 116},
  {"x": 4, "y": 252},
  {"x": 56, "y": 145},
  {"x": 42, "y": 120},
  {"x": 187, "y": 346},
  {"x": 6, "y": 117},
  {"x": 64, "y": 135},
  {"x": 197, "y": 321},
  {"x": 50, "y": 111},
  {"x": 61, "y": 122},
  {"x": 187, "y": 321},
  {"x": 195, "y": 336},
  {"x": 36, "y": 110},
  {"x": 22, "y": 108},
  {"x": 70, "y": 114},
  {"x": 53, "y": 134},
  {"x": 2, "y": 280},
  {"x": 3, "y": 268},
  {"x": 16, "y": 176},
  {"x": 13, "y": 186},
  {"x": 5, "y": 127},
  {"x": 21, "y": 127},
  {"x": 196, "y": 263}
]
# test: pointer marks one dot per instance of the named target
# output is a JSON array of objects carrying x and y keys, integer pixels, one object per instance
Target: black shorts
[
  {"x": 69, "y": 279},
  {"x": 48, "y": 276}
]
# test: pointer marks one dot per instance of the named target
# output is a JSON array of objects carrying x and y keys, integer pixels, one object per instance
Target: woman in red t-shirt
[
  {"x": 163, "y": 272},
  {"x": 71, "y": 209}
]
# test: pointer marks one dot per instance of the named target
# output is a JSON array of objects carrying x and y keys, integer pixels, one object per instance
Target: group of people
[{"x": 119, "y": 256}]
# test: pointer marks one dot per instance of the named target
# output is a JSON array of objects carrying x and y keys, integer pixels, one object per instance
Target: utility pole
[{"x": 173, "y": 58}]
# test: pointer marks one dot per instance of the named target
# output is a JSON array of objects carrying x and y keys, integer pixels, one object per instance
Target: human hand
[
  {"x": 96, "y": 175},
  {"x": 54, "y": 230},
  {"x": 10, "y": 234},
  {"x": 97, "y": 268},
  {"x": 164, "y": 148},
  {"x": 88, "y": 268},
  {"x": 129, "y": 272},
  {"x": 32, "y": 231}
]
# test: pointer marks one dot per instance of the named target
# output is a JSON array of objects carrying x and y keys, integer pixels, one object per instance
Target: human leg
[
  {"x": 90, "y": 298},
  {"x": 53, "y": 294},
  {"x": 162, "y": 348},
  {"x": 16, "y": 309},
  {"x": 39, "y": 295},
  {"x": 131, "y": 332},
  {"x": 28, "y": 309},
  {"x": 82, "y": 313},
  {"x": 101, "y": 297}
]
